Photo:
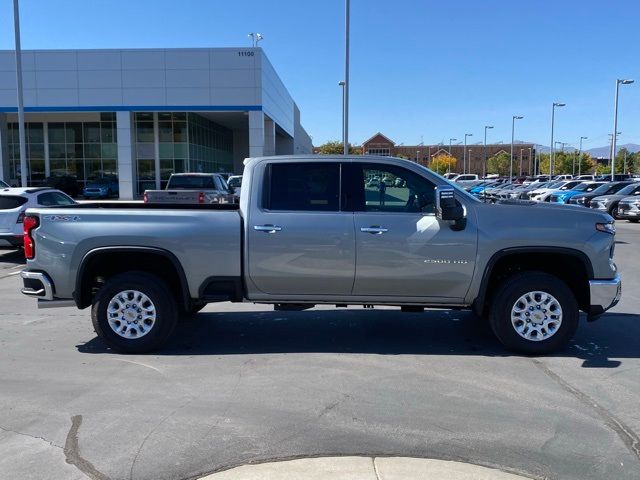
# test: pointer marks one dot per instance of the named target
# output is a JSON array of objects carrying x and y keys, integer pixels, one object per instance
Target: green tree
[
  {"x": 335, "y": 147},
  {"x": 626, "y": 161},
  {"x": 499, "y": 163},
  {"x": 443, "y": 163}
]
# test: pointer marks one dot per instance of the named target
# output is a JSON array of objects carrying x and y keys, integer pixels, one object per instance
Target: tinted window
[
  {"x": 303, "y": 187},
  {"x": 196, "y": 182},
  {"x": 8, "y": 202},
  {"x": 388, "y": 188},
  {"x": 53, "y": 199}
]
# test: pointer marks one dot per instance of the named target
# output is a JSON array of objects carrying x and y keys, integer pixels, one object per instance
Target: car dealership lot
[{"x": 241, "y": 383}]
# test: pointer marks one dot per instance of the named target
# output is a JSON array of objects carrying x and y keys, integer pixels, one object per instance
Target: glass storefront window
[{"x": 92, "y": 132}]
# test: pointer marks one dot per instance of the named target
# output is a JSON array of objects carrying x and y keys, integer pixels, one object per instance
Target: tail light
[
  {"x": 201, "y": 197},
  {"x": 145, "y": 197},
  {"x": 29, "y": 224}
]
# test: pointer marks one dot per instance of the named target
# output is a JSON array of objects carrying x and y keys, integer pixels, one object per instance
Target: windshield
[
  {"x": 609, "y": 188},
  {"x": 583, "y": 187},
  {"x": 632, "y": 189}
]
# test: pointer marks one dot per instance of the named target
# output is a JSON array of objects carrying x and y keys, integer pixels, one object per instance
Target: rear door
[
  {"x": 402, "y": 249},
  {"x": 300, "y": 241}
]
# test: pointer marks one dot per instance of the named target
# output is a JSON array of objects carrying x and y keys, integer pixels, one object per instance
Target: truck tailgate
[{"x": 187, "y": 197}]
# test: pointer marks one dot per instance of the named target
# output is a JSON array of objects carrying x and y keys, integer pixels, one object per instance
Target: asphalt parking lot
[{"x": 242, "y": 383}]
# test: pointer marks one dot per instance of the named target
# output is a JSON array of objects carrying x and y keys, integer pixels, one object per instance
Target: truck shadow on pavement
[{"x": 383, "y": 332}]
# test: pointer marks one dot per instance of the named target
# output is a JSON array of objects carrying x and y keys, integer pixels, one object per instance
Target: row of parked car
[
  {"x": 96, "y": 186},
  {"x": 621, "y": 199}
]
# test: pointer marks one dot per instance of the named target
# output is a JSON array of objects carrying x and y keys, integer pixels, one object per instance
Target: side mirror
[{"x": 447, "y": 207}]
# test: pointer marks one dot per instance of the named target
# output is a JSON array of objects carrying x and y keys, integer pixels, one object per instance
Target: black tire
[
  {"x": 613, "y": 211},
  {"x": 156, "y": 291},
  {"x": 511, "y": 290}
]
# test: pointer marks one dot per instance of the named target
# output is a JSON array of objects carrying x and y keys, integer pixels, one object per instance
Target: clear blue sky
[{"x": 428, "y": 69}]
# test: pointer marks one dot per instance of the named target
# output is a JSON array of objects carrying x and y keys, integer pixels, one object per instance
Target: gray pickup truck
[
  {"x": 193, "y": 188},
  {"x": 311, "y": 230}
]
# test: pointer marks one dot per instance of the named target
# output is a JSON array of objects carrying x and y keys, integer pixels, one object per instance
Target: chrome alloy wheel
[
  {"x": 536, "y": 316},
  {"x": 131, "y": 314}
]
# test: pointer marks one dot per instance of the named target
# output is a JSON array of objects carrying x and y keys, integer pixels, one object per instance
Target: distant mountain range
[
  {"x": 604, "y": 151},
  {"x": 597, "y": 151}
]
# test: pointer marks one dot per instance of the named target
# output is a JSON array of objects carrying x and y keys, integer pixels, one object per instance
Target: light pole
[
  {"x": 484, "y": 165},
  {"x": 464, "y": 155},
  {"x": 551, "y": 156},
  {"x": 513, "y": 129},
  {"x": 450, "y": 140},
  {"x": 346, "y": 76},
  {"x": 520, "y": 171},
  {"x": 21, "y": 135},
  {"x": 469, "y": 167},
  {"x": 580, "y": 155},
  {"x": 255, "y": 38},
  {"x": 615, "y": 125},
  {"x": 342, "y": 83}
]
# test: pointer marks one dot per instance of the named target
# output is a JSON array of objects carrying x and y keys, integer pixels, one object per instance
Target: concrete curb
[{"x": 363, "y": 468}]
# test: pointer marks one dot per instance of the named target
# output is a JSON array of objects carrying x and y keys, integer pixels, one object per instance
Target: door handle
[
  {"x": 267, "y": 228},
  {"x": 374, "y": 230}
]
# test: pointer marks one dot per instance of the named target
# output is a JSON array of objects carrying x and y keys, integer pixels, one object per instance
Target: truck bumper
[
  {"x": 40, "y": 286},
  {"x": 604, "y": 295}
]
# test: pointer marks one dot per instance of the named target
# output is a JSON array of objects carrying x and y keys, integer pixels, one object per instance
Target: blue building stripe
[{"x": 140, "y": 108}]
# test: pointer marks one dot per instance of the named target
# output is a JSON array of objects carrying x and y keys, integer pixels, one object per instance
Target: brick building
[{"x": 379, "y": 144}]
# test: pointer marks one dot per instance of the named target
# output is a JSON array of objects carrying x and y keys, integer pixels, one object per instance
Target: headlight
[{"x": 606, "y": 227}]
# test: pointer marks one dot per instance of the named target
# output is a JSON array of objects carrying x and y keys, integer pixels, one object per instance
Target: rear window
[
  {"x": 303, "y": 187},
  {"x": 54, "y": 199},
  {"x": 8, "y": 202},
  {"x": 196, "y": 182}
]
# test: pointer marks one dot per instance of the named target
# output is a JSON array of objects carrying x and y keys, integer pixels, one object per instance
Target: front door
[
  {"x": 402, "y": 249},
  {"x": 300, "y": 242}
]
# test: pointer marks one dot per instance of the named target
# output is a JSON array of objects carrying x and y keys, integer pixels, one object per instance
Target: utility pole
[{"x": 347, "y": 9}]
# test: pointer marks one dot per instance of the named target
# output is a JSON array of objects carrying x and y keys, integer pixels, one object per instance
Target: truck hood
[{"x": 513, "y": 213}]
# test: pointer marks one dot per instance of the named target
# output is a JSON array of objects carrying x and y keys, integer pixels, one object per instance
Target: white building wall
[
  {"x": 126, "y": 155},
  {"x": 83, "y": 82}
]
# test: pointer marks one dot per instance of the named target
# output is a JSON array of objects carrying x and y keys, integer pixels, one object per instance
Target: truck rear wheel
[
  {"x": 134, "y": 312},
  {"x": 534, "y": 313}
]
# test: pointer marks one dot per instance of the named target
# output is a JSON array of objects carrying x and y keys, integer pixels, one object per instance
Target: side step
[{"x": 292, "y": 307}]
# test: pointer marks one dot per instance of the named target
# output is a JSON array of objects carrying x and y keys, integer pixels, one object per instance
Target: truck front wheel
[
  {"x": 534, "y": 313},
  {"x": 134, "y": 312}
]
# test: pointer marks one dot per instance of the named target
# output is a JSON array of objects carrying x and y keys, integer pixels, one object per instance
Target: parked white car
[
  {"x": 544, "y": 194},
  {"x": 14, "y": 202}
]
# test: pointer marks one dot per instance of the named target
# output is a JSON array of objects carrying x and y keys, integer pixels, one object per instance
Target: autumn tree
[
  {"x": 335, "y": 147},
  {"x": 443, "y": 163}
]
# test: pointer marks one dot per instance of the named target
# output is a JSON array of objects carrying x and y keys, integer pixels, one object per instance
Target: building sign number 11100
[{"x": 245, "y": 54}]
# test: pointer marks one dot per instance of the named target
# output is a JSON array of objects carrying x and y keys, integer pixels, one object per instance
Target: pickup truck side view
[{"x": 311, "y": 230}]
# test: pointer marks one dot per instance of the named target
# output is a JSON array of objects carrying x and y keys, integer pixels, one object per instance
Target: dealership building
[{"x": 142, "y": 114}]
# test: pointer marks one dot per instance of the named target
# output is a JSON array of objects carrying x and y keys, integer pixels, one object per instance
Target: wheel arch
[
  {"x": 104, "y": 262},
  {"x": 570, "y": 265}
]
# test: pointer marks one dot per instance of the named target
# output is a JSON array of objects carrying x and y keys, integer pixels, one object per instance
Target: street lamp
[
  {"x": 347, "y": 10},
  {"x": 21, "y": 133},
  {"x": 255, "y": 38},
  {"x": 464, "y": 155},
  {"x": 345, "y": 148},
  {"x": 551, "y": 156},
  {"x": 484, "y": 166},
  {"x": 470, "y": 150},
  {"x": 615, "y": 125},
  {"x": 513, "y": 128},
  {"x": 450, "y": 140},
  {"x": 580, "y": 154}
]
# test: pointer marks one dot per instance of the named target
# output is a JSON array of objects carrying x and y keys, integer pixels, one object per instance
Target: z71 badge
[{"x": 62, "y": 218}]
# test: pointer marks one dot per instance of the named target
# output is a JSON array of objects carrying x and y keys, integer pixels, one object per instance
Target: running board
[{"x": 55, "y": 303}]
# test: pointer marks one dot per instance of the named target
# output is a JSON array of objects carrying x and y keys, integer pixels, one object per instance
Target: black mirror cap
[{"x": 447, "y": 207}]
